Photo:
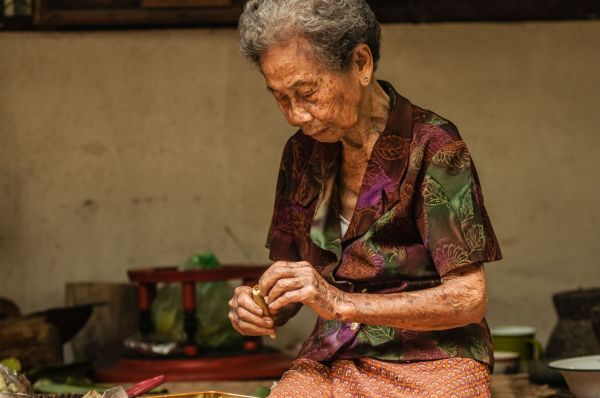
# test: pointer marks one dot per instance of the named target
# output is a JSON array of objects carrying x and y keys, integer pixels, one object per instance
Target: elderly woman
[{"x": 379, "y": 224}]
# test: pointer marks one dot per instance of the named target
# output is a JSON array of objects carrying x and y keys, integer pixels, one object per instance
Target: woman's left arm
[{"x": 459, "y": 300}]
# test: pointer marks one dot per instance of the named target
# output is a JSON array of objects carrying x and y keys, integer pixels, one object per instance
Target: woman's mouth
[{"x": 318, "y": 132}]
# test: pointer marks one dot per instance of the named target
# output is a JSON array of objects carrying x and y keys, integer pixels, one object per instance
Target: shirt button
[{"x": 354, "y": 326}]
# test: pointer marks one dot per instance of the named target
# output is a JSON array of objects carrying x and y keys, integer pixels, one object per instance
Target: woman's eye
[
  {"x": 310, "y": 94},
  {"x": 282, "y": 98}
]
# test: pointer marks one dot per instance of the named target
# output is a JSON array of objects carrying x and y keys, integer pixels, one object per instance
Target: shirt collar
[
  {"x": 401, "y": 116},
  {"x": 324, "y": 157}
]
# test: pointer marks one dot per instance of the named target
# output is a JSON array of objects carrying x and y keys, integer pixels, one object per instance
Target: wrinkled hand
[
  {"x": 288, "y": 282},
  {"x": 246, "y": 316}
]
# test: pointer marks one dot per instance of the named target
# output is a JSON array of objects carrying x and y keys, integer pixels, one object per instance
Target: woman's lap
[{"x": 370, "y": 378}]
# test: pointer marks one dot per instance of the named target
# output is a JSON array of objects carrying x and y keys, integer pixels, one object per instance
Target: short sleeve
[
  {"x": 452, "y": 219},
  {"x": 280, "y": 238}
]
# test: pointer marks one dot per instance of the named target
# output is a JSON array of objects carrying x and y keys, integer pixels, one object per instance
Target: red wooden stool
[{"x": 253, "y": 363}]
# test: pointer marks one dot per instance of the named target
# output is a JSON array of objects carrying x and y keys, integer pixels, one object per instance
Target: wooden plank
[
  {"x": 185, "y": 3},
  {"x": 91, "y": 4},
  {"x": 136, "y": 13},
  {"x": 477, "y": 10},
  {"x": 171, "y": 274},
  {"x": 141, "y": 17}
]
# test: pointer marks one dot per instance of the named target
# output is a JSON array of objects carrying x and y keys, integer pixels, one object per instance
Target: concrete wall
[{"x": 135, "y": 148}]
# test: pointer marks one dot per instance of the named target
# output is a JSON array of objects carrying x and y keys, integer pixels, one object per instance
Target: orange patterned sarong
[{"x": 371, "y": 378}]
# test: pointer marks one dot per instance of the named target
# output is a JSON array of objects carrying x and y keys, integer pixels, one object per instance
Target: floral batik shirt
[{"x": 419, "y": 215}]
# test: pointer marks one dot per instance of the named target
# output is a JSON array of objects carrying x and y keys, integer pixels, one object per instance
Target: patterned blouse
[{"x": 419, "y": 215}]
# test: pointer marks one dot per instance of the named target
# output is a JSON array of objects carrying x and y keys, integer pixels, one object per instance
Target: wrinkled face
[{"x": 324, "y": 104}]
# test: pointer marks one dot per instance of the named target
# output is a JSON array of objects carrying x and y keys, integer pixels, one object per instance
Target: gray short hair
[{"x": 333, "y": 28}]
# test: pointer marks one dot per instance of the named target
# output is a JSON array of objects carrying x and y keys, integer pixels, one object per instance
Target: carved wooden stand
[{"x": 254, "y": 363}]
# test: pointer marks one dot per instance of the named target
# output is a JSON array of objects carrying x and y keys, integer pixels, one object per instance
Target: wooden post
[
  {"x": 102, "y": 337},
  {"x": 188, "y": 296},
  {"x": 146, "y": 295}
]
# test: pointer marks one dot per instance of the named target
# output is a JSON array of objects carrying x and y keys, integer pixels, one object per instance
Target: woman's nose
[{"x": 298, "y": 115}]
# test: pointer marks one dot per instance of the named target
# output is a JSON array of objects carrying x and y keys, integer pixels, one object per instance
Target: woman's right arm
[{"x": 248, "y": 318}]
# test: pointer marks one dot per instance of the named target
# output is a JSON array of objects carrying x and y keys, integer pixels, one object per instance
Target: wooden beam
[
  {"x": 137, "y": 17},
  {"x": 477, "y": 10},
  {"x": 185, "y": 3},
  {"x": 149, "y": 13}
]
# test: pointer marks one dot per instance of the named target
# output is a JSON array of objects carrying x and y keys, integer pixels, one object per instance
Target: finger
[
  {"x": 250, "y": 312},
  {"x": 251, "y": 318},
  {"x": 279, "y": 270},
  {"x": 235, "y": 322},
  {"x": 239, "y": 291},
  {"x": 247, "y": 302},
  {"x": 285, "y": 285},
  {"x": 250, "y": 329},
  {"x": 271, "y": 275},
  {"x": 292, "y": 296},
  {"x": 243, "y": 298}
]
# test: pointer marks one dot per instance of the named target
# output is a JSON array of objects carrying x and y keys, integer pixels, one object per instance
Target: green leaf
[
  {"x": 394, "y": 258},
  {"x": 398, "y": 254},
  {"x": 454, "y": 157},
  {"x": 433, "y": 192},
  {"x": 466, "y": 207},
  {"x": 12, "y": 363},
  {"x": 330, "y": 325},
  {"x": 417, "y": 158},
  {"x": 262, "y": 392},
  {"x": 478, "y": 348},
  {"x": 436, "y": 121},
  {"x": 452, "y": 255},
  {"x": 362, "y": 337},
  {"x": 475, "y": 237},
  {"x": 386, "y": 218},
  {"x": 378, "y": 334},
  {"x": 449, "y": 347}
]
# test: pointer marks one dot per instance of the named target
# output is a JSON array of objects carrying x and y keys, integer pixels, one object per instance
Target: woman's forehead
[{"x": 286, "y": 66}]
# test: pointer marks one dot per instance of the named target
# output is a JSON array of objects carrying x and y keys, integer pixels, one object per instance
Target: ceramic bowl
[
  {"x": 520, "y": 339},
  {"x": 513, "y": 330},
  {"x": 582, "y": 375},
  {"x": 506, "y": 362}
]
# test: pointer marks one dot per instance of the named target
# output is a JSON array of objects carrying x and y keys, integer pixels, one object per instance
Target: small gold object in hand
[{"x": 260, "y": 301}]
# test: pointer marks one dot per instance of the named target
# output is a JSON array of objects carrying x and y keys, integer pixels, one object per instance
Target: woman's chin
[{"x": 325, "y": 135}]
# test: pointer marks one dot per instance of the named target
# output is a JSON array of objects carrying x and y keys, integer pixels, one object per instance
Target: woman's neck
[{"x": 358, "y": 142}]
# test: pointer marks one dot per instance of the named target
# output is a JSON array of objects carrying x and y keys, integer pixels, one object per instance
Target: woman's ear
[{"x": 362, "y": 62}]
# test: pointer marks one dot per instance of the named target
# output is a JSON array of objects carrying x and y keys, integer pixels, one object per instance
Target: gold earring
[{"x": 366, "y": 79}]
